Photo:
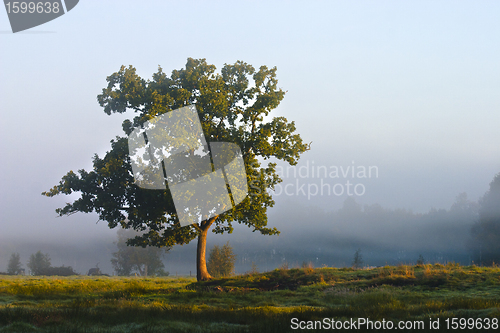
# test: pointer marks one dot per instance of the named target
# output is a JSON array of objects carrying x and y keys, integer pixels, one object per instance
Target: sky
[{"x": 407, "y": 88}]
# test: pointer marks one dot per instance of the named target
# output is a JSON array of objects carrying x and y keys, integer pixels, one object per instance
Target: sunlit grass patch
[{"x": 263, "y": 302}]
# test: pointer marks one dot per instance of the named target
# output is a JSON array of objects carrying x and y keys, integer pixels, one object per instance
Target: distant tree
[
  {"x": 221, "y": 261},
  {"x": 144, "y": 261},
  {"x": 39, "y": 263},
  {"x": 14, "y": 266},
  {"x": 253, "y": 269},
  {"x": 420, "y": 260},
  {"x": 350, "y": 208},
  {"x": 486, "y": 232},
  {"x": 464, "y": 208},
  {"x": 358, "y": 259}
]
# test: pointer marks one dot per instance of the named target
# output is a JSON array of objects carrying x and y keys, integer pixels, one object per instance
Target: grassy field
[{"x": 264, "y": 302}]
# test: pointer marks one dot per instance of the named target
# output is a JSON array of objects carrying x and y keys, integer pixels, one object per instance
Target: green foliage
[
  {"x": 144, "y": 261},
  {"x": 358, "y": 259},
  {"x": 14, "y": 266},
  {"x": 221, "y": 261},
  {"x": 39, "y": 263},
  {"x": 233, "y": 106}
]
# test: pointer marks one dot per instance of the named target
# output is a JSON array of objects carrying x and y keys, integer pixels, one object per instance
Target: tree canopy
[{"x": 233, "y": 106}]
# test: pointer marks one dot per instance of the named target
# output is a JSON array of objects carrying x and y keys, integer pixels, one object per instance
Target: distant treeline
[
  {"x": 128, "y": 260},
  {"x": 468, "y": 232},
  {"x": 38, "y": 264}
]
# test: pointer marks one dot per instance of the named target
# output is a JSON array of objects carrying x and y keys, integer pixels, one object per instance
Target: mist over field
[{"x": 308, "y": 234}]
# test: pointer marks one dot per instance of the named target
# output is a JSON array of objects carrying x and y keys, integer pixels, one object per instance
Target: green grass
[{"x": 263, "y": 302}]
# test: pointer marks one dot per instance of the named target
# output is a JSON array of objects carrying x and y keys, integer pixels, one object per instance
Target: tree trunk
[{"x": 201, "y": 262}]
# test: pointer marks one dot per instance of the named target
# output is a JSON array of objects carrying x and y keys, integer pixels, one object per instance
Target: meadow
[{"x": 260, "y": 302}]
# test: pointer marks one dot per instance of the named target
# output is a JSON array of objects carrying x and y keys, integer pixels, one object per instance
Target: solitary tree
[
  {"x": 221, "y": 261},
  {"x": 130, "y": 259},
  {"x": 14, "y": 266},
  {"x": 39, "y": 263},
  {"x": 358, "y": 259},
  {"x": 233, "y": 106}
]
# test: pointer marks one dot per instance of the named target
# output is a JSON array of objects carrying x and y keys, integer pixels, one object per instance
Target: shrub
[
  {"x": 60, "y": 271},
  {"x": 221, "y": 261},
  {"x": 253, "y": 269},
  {"x": 308, "y": 267}
]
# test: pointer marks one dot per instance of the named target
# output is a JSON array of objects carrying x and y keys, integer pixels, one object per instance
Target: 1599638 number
[
  {"x": 32, "y": 7},
  {"x": 471, "y": 323}
]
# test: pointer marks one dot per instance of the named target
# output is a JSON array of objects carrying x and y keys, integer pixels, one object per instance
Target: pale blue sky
[{"x": 411, "y": 87}]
